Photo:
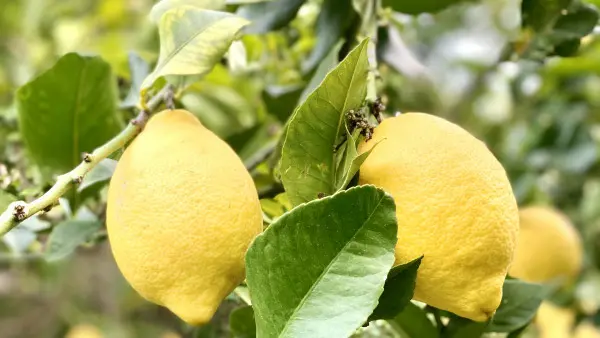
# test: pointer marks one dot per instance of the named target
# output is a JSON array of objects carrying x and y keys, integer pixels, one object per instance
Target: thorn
[{"x": 87, "y": 157}]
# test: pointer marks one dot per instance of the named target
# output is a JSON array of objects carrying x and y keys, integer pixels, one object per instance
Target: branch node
[
  {"x": 19, "y": 212},
  {"x": 77, "y": 179},
  {"x": 140, "y": 120},
  {"x": 87, "y": 157},
  {"x": 169, "y": 97},
  {"x": 48, "y": 208}
]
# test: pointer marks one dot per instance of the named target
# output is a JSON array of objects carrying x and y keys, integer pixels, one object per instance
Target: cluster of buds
[
  {"x": 357, "y": 120},
  {"x": 377, "y": 108}
]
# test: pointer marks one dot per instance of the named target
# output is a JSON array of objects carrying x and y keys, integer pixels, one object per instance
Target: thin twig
[{"x": 21, "y": 210}]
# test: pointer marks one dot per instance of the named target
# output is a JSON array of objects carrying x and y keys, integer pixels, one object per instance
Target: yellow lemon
[
  {"x": 549, "y": 247},
  {"x": 182, "y": 211},
  {"x": 553, "y": 321},
  {"x": 84, "y": 331},
  {"x": 586, "y": 330},
  {"x": 455, "y": 206}
]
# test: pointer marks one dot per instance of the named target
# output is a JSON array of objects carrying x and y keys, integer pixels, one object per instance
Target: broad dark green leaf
[
  {"x": 192, "y": 41},
  {"x": 540, "y": 14},
  {"x": 459, "y": 327},
  {"x": 241, "y": 322},
  {"x": 520, "y": 302},
  {"x": 335, "y": 18},
  {"x": 102, "y": 172},
  {"x": 67, "y": 236},
  {"x": 138, "y": 69},
  {"x": 308, "y": 163},
  {"x": 68, "y": 110},
  {"x": 398, "y": 290},
  {"x": 319, "y": 269},
  {"x": 269, "y": 15},
  {"x": 412, "y": 322},
  {"x": 163, "y": 6},
  {"x": 420, "y": 6}
]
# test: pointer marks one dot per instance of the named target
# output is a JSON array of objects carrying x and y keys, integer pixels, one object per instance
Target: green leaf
[
  {"x": 459, "y": 327},
  {"x": 540, "y": 14},
  {"x": 270, "y": 15},
  {"x": 320, "y": 268},
  {"x": 412, "y": 322},
  {"x": 420, "y": 6},
  {"x": 335, "y": 18},
  {"x": 398, "y": 290},
  {"x": 164, "y": 6},
  {"x": 139, "y": 69},
  {"x": 67, "y": 236},
  {"x": 192, "y": 41},
  {"x": 308, "y": 163},
  {"x": 68, "y": 110},
  {"x": 351, "y": 160},
  {"x": 281, "y": 100},
  {"x": 102, "y": 172},
  {"x": 6, "y": 199},
  {"x": 241, "y": 322},
  {"x": 520, "y": 302}
]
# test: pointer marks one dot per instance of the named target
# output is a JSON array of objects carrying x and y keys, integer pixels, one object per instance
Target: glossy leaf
[
  {"x": 320, "y": 268},
  {"x": 398, "y": 290},
  {"x": 241, "y": 322},
  {"x": 520, "y": 302},
  {"x": 308, "y": 163},
  {"x": 420, "y": 6},
  {"x": 192, "y": 41},
  {"x": 68, "y": 110},
  {"x": 413, "y": 322},
  {"x": 67, "y": 236},
  {"x": 459, "y": 327},
  {"x": 269, "y": 15}
]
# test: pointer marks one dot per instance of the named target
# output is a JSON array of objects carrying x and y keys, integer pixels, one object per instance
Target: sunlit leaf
[
  {"x": 192, "y": 41},
  {"x": 138, "y": 69},
  {"x": 269, "y": 15},
  {"x": 164, "y": 6},
  {"x": 67, "y": 236},
  {"x": 102, "y": 172}
]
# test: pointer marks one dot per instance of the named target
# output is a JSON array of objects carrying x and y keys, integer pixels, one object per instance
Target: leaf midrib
[{"x": 351, "y": 240}]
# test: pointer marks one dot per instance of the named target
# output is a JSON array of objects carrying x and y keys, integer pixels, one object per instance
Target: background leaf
[
  {"x": 520, "y": 301},
  {"x": 102, "y": 172},
  {"x": 319, "y": 269},
  {"x": 459, "y": 327},
  {"x": 68, "y": 110},
  {"x": 398, "y": 290},
  {"x": 308, "y": 163},
  {"x": 164, "y": 6},
  {"x": 67, "y": 236},
  {"x": 241, "y": 322},
  {"x": 192, "y": 41},
  {"x": 269, "y": 15},
  {"x": 420, "y": 6},
  {"x": 412, "y": 322},
  {"x": 138, "y": 69},
  {"x": 335, "y": 18}
]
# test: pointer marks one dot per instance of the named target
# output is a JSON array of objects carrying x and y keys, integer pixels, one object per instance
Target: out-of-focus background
[{"x": 539, "y": 113}]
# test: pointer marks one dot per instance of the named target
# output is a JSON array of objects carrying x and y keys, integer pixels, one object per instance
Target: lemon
[
  {"x": 553, "y": 321},
  {"x": 549, "y": 247},
  {"x": 182, "y": 211},
  {"x": 586, "y": 329},
  {"x": 454, "y": 205},
  {"x": 84, "y": 331}
]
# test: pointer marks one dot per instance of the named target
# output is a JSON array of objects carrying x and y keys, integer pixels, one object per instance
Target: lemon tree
[{"x": 293, "y": 168}]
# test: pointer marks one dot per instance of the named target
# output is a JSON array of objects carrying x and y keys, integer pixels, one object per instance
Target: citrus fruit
[
  {"x": 553, "y": 321},
  {"x": 549, "y": 247},
  {"x": 455, "y": 207},
  {"x": 182, "y": 210},
  {"x": 586, "y": 329},
  {"x": 84, "y": 331}
]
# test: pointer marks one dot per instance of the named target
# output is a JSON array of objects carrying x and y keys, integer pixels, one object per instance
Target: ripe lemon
[
  {"x": 84, "y": 331},
  {"x": 586, "y": 330},
  {"x": 182, "y": 211},
  {"x": 553, "y": 321},
  {"x": 455, "y": 206},
  {"x": 549, "y": 247}
]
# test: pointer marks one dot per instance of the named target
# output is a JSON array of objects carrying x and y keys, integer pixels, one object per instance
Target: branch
[{"x": 20, "y": 210}]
